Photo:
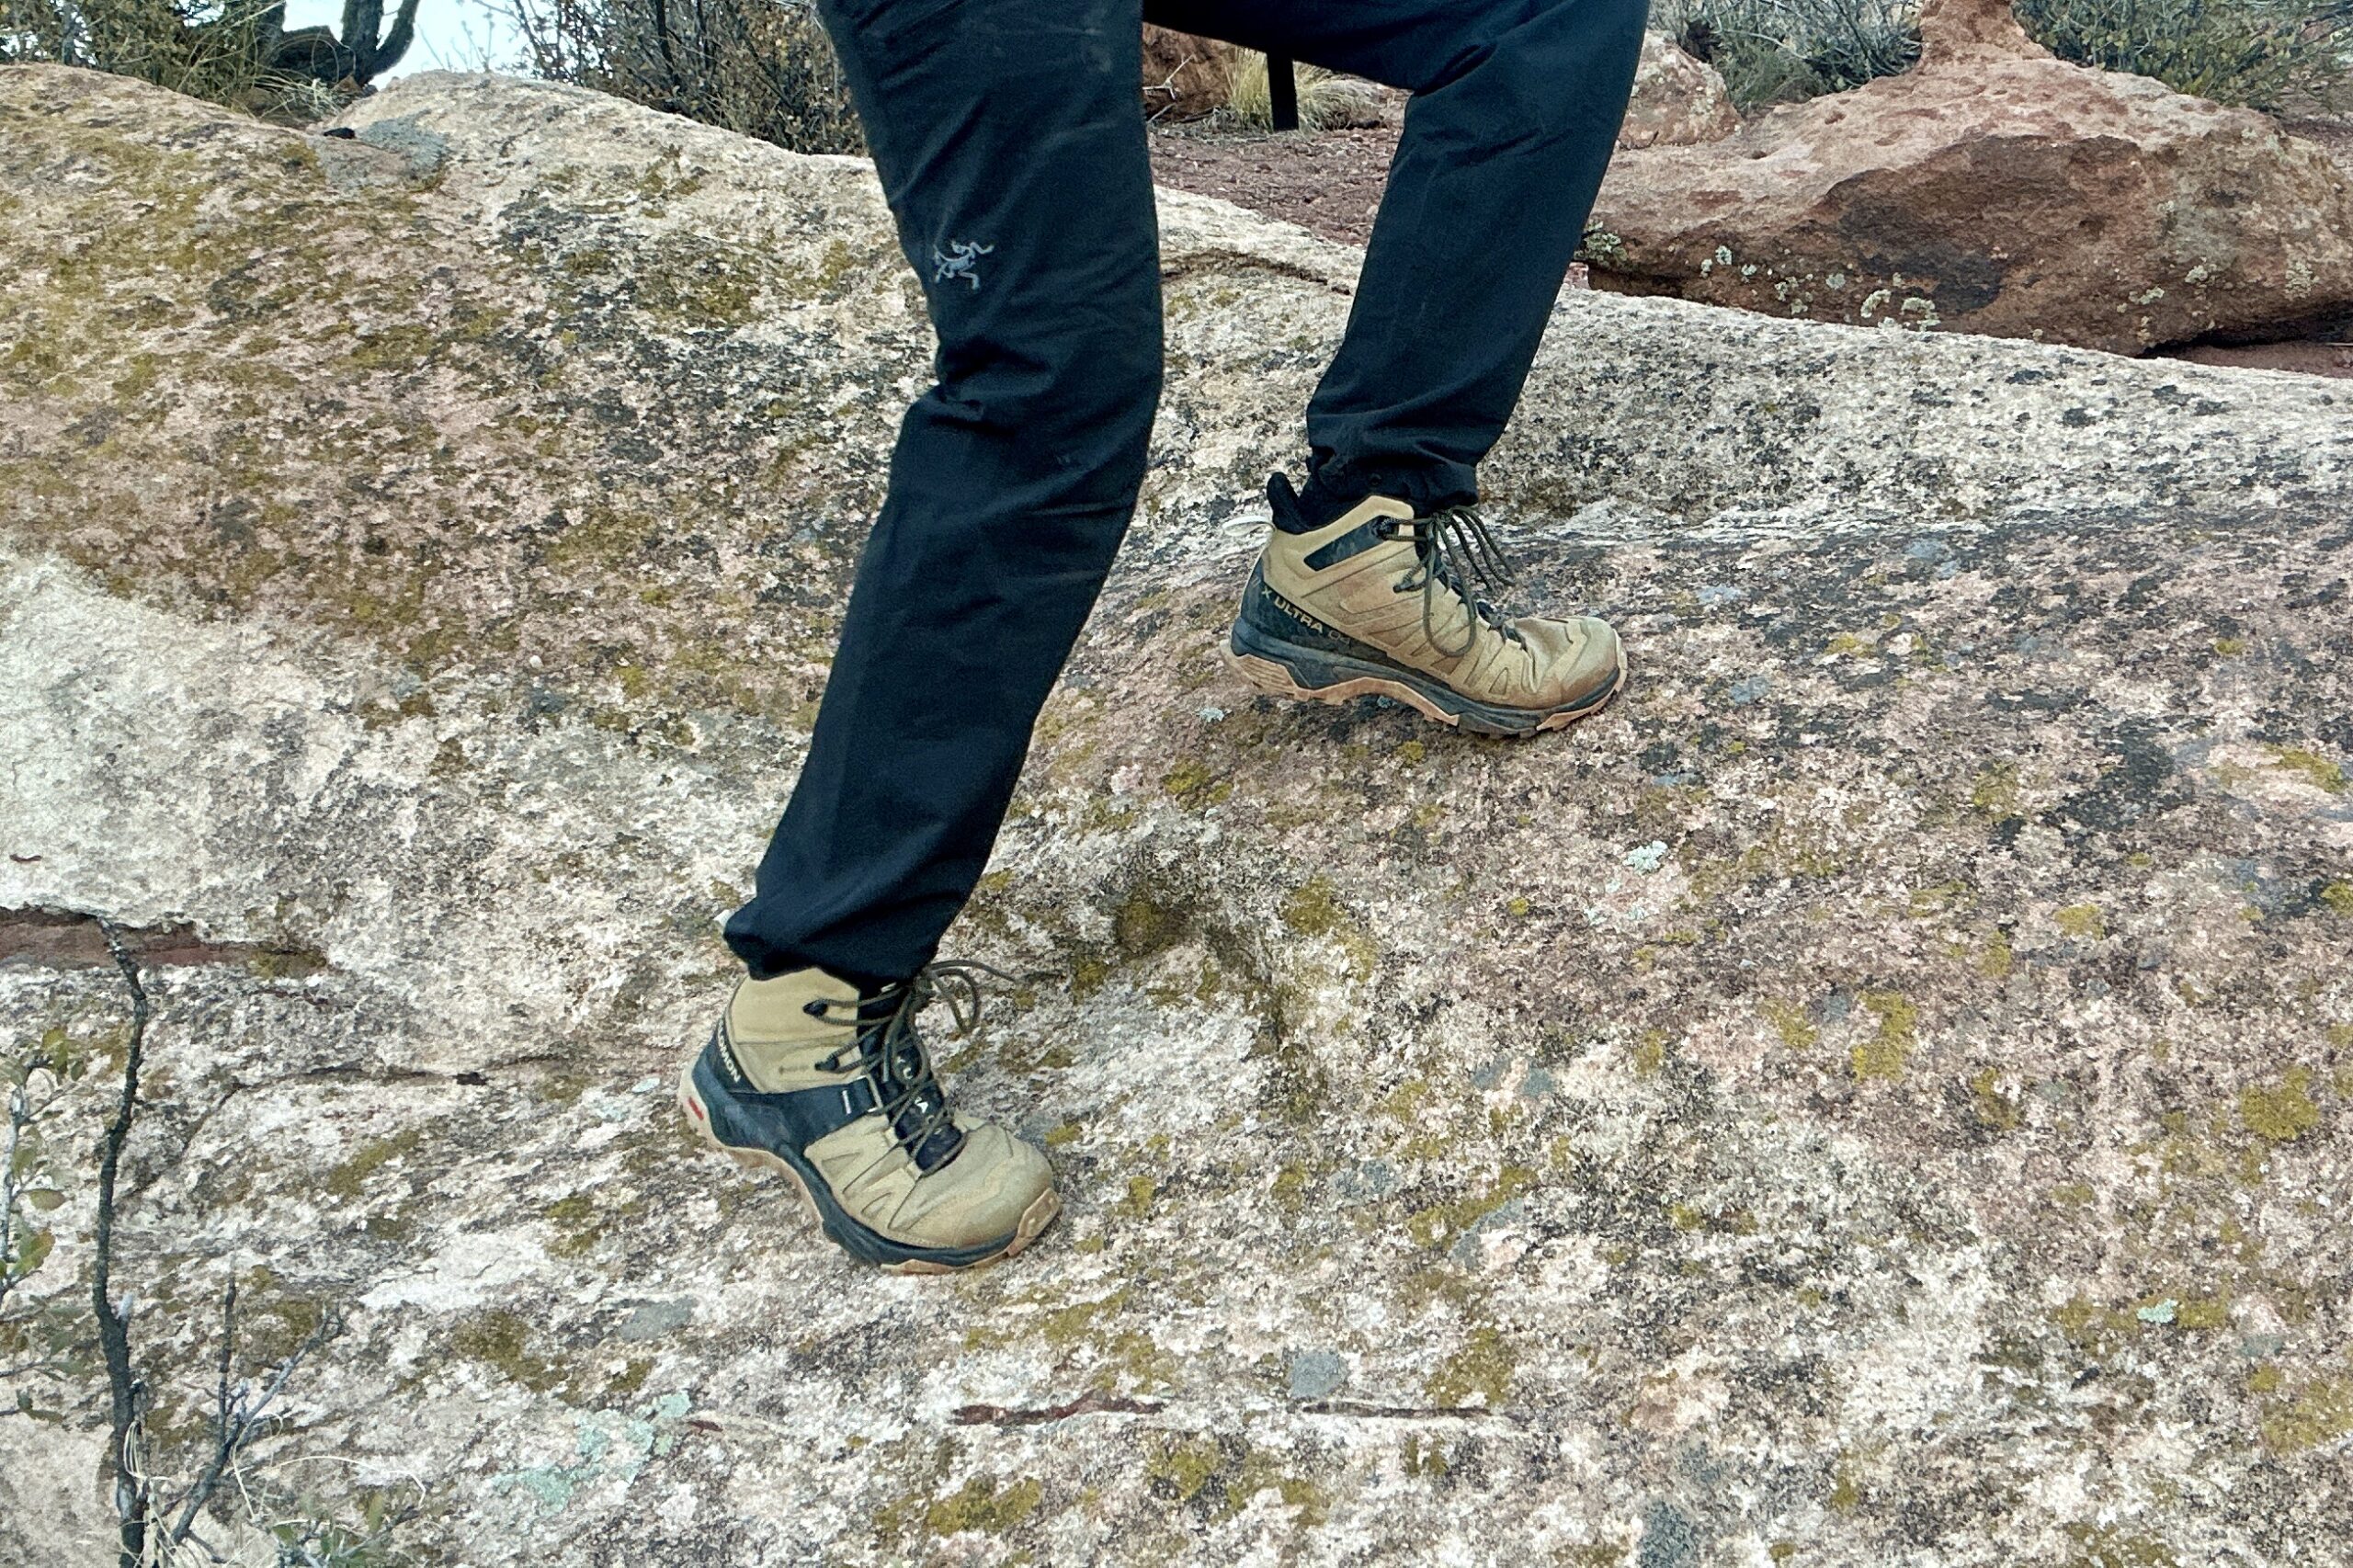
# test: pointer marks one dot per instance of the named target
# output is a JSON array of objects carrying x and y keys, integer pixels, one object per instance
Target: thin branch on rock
[
  {"x": 128, "y": 1395},
  {"x": 1364, "y": 1412},
  {"x": 1088, "y": 1403},
  {"x": 236, "y": 1419},
  {"x": 14, "y": 1188}
]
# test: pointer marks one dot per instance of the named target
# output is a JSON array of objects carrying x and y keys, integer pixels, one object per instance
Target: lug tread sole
[
  {"x": 1277, "y": 679},
  {"x": 1032, "y": 1223}
]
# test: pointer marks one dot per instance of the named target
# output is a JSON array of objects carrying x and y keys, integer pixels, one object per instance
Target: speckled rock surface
[
  {"x": 1676, "y": 101},
  {"x": 1879, "y": 1095},
  {"x": 1992, "y": 188}
]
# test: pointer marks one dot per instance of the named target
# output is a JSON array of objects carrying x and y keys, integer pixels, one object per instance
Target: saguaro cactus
[{"x": 363, "y": 51}]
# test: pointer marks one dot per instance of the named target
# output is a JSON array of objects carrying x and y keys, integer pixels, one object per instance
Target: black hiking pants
[{"x": 1011, "y": 146}]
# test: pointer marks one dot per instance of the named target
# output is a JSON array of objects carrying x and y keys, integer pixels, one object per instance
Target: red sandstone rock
[
  {"x": 1992, "y": 188},
  {"x": 1184, "y": 78},
  {"x": 1677, "y": 100}
]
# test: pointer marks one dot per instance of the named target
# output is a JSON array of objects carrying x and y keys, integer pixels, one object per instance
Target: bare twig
[
  {"x": 236, "y": 1419},
  {"x": 20, "y": 1116},
  {"x": 1091, "y": 1403},
  {"x": 128, "y": 1395}
]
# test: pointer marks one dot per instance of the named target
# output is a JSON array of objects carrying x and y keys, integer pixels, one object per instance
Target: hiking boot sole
[
  {"x": 859, "y": 1241},
  {"x": 1309, "y": 675}
]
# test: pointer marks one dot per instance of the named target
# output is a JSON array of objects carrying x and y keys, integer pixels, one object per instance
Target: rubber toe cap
[
  {"x": 981, "y": 1194},
  {"x": 1573, "y": 658}
]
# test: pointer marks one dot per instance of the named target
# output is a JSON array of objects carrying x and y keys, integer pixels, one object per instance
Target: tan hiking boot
[
  {"x": 802, "y": 1075},
  {"x": 1379, "y": 601}
]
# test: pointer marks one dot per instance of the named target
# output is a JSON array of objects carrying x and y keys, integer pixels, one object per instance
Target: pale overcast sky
[{"x": 451, "y": 34}]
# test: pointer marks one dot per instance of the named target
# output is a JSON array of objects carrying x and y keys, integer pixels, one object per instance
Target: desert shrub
[
  {"x": 1326, "y": 100},
  {"x": 2262, "y": 53},
  {"x": 761, "y": 67},
  {"x": 1773, "y": 51},
  {"x": 231, "y": 51}
]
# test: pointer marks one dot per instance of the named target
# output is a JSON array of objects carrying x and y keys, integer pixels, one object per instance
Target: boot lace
[
  {"x": 893, "y": 1058},
  {"x": 1453, "y": 551}
]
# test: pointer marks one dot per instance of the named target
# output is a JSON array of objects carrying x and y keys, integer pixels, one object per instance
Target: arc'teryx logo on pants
[{"x": 962, "y": 261}]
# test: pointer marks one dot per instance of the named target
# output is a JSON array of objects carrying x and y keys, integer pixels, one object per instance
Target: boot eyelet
[{"x": 815, "y": 1009}]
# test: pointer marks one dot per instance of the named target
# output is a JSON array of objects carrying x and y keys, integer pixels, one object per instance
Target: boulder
[
  {"x": 1677, "y": 101},
  {"x": 1884, "y": 1086},
  {"x": 1992, "y": 188}
]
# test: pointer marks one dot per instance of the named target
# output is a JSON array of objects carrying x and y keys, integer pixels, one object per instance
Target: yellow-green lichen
[
  {"x": 2321, "y": 1412},
  {"x": 1995, "y": 791},
  {"x": 1186, "y": 1467},
  {"x": 1846, "y": 1489},
  {"x": 2113, "y": 1546},
  {"x": 1193, "y": 785},
  {"x": 1441, "y": 1222},
  {"x": 1995, "y": 1110},
  {"x": 1481, "y": 1369},
  {"x": 1797, "y": 1030},
  {"x": 2083, "y": 921},
  {"x": 1194, "y": 1467},
  {"x": 502, "y": 1340},
  {"x": 982, "y": 1506},
  {"x": 1995, "y": 960},
  {"x": 2281, "y": 1113},
  {"x": 1314, "y": 909},
  {"x": 2321, "y": 772},
  {"x": 349, "y": 1178},
  {"x": 1886, "y": 1053}
]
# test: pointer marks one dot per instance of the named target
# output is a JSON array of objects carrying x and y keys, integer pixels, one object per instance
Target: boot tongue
[
  {"x": 938, "y": 1149},
  {"x": 904, "y": 1067}
]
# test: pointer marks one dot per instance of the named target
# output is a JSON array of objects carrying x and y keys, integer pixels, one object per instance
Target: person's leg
[
  {"x": 1010, "y": 146},
  {"x": 1516, "y": 109},
  {"x": 1370, "y": 581}
]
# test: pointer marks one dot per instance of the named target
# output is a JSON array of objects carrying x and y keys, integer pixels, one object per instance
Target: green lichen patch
[
  {"x": 1227, "y": 1473},
  {"x": 2320, "y": 1412},
  {"x": 502, "y": 1340},
  {"x": 2303, "y": 762},
  {"x": 1885, "y": 1054},
  {"x": 1194, "y": 785},
  {"x": 2082, "y": 921},
  {"x": 1995, "y": 1111},
  {"x": 1796, "y": 1029},
  {"x": 349, "y": 1178},
  {"x": 983, "y": 1504},
  {"x": 1996, "y": 791},
  {"x": 2116, "y": 1546},
  {"x": 2281, "y": 1113},
  {"x": 1480, "y": 1373},
  {"x": 1313, "y": 908},
  {"x": 1438, "y": 1224}
]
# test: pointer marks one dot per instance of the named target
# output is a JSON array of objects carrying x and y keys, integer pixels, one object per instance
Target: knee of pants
[{"x": 1085, "y": 408}]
